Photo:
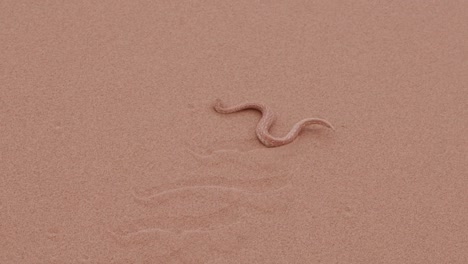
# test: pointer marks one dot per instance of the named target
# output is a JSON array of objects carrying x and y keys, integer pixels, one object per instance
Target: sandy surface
[{"x": 110, "y": 151}]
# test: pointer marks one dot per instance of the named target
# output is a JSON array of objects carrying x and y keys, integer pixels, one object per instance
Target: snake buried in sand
[{"x": 267, "y": 120}]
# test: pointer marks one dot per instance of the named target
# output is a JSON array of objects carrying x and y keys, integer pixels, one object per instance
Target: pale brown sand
[{"x": 111, "y": 152}]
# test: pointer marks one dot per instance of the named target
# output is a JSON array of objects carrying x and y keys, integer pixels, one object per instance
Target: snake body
[{"x": 267, "y": 120}]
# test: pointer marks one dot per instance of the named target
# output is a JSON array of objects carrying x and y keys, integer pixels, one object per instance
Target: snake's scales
[{"x": 267, "y": 120}]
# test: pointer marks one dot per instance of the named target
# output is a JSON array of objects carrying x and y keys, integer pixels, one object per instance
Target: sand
[{"x": 111, "y": 152}]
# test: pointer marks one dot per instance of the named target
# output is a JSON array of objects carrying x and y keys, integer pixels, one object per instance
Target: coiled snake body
[{"x": 267, "y": 120}]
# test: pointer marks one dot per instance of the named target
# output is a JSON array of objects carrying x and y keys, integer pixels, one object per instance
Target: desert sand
[{"x": 111, "y": 151}]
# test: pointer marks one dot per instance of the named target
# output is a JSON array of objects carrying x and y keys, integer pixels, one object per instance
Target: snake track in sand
[{"x": 267, "y": 120}]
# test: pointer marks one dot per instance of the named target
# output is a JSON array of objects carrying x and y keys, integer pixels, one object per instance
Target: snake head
[{"x": 218, "y": 105}]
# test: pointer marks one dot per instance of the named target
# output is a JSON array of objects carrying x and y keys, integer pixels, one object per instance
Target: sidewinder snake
[{"x": 267, "y": 120}]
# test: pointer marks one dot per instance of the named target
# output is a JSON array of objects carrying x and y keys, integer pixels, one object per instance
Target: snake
[{"x": 267, "y": 120}]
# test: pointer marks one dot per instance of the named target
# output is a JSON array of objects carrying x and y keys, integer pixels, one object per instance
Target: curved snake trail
[{"x": 267, "y": 120}]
